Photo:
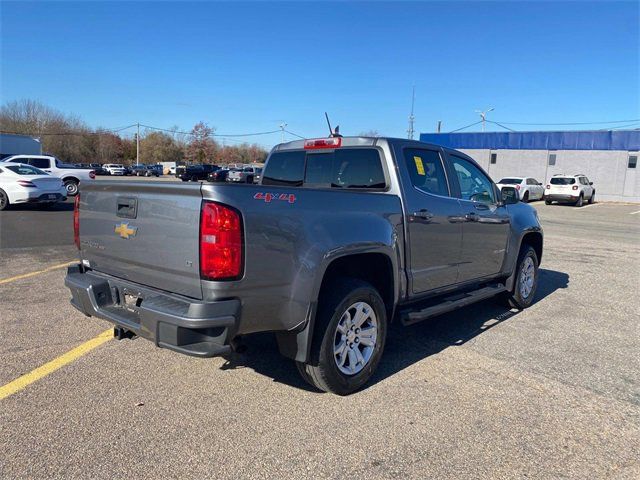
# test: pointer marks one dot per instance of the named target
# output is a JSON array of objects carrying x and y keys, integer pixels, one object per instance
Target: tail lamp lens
[
  {"x": 548, "y": 187},
  {"x": 26, "y": 183},
  {"x": 575, "y": 187},
  {"x": 517, "y": 187},
  {"x": 221, "y": 249},
  {"x": 76, "y": 221}
]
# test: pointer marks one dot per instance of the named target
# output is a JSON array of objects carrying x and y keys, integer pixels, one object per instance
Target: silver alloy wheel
[
  {"x": 355, "y": 338},
  {"x": 527, "y": 277},
  {"x": 72, "y": 187}
]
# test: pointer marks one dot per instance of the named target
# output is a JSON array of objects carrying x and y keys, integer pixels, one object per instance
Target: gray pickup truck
[{"x": 342, "y": 236}]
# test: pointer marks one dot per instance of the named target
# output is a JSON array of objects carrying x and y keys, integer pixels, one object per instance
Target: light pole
[
  {"x": 138, "y": 146},
  {"x": 282, "y": 127},
  {"x": 483, "y": 115}
]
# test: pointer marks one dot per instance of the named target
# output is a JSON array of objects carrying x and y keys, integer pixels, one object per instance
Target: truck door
[
  {"x": 485, "y": 229},
  {"x": 433, "y": 219}
]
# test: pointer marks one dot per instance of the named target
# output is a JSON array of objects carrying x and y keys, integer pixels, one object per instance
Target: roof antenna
[{"x": 332, "y": 133}]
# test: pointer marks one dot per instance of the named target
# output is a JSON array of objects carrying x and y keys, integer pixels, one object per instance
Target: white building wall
[{"x": 607, "y": 169}]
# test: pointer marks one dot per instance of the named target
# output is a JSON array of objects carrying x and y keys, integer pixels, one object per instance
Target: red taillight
[
  {"x": 92, "y": 174},
  {"x": 575, "y": 187},
  {"x": 26, "y": 183},
  {"x": 517, "y": 187},
  {"x": 548, "y": 187},
  {"x": 76, "y": 221},
  {"x": 220, "y": 242},
  {"x": 333, "y": 142}
]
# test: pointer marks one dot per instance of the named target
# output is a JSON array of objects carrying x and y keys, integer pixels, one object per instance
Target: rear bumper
[
  {"x": 37, "y": 197},
  {"x": 185, "y": 325},
  {"x": 561, "y": 197}
]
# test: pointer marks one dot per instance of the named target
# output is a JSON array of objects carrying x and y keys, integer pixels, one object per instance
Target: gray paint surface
[{"x": 19, "y": 144}]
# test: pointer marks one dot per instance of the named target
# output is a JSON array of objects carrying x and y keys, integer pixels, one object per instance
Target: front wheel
[
  {"x": 72, "y": 187},
  {"x": 349, "y": 338},
  {"x": 592, "y": 199},
  {"x": 526, "y": 281},
  {"x": 4, "y": 201}
]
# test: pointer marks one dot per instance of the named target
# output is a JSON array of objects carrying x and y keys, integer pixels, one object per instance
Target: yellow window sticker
[{"x": 419, "y": 165}]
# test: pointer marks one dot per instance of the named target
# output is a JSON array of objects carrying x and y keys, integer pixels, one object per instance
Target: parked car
[
  {"x": 194, "y": 172},
  {"x": 70, "y": 175},
  {"x": 115, "y": 168},
  {"x": 172, "y": 170},
  {"x": 145, "y": 171},
  {"x": 244, "y": 174},
  {"x": 22, "y": 183},
  {"x": 528, "y": 188},
  {"x": 570, "y": 189},
  {"x": 100, "y": 171},
  {"x": 220, "y": 175},
  {"x": 343, "y": 236}
]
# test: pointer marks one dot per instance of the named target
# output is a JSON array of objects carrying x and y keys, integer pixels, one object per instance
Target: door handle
[
  {"x": 472, "y": 217},
  {"x": 426, "y": 214}
]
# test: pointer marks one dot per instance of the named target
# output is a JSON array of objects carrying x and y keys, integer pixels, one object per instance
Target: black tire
[
  {"x": 194, "y": 179},
  {"x": 547, "y": 201},
  {"x": 4, "y": 200},
  {"x": 322, "y": 370},
  {"x": 250, "y": 179},
  {"x": 580, "y": 201},
  {"x": 525, "y": 197},
  {"x": 515, "y": 298},
  {"x": 72, "y": 187},
  {"x": 592, "y": 199}
]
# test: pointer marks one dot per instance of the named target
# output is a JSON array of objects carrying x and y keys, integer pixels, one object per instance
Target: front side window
[
  {"x": 426, "y": 171},
  {"x": 474, "y": 184}
]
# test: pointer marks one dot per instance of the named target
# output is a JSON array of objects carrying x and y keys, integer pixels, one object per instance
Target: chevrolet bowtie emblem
[{"x": 125, "y": 231}]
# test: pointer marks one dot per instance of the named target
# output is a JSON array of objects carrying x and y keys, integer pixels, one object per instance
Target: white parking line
[
  {"x": 633, "y": 213},
  {"x": 591, "y": 205}
]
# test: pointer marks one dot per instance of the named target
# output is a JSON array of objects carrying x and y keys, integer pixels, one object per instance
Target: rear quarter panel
[{"x": 289, "y": 245}]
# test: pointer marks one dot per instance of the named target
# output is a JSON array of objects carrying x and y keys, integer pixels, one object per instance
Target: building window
[
  {"x": 552, "y": 159},
  {"x": 633, "y": 161},
  {"x": 494, "y": 158}
]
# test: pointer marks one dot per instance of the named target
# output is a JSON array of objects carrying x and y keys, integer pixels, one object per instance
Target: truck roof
[{"x": 355, "y": 141}]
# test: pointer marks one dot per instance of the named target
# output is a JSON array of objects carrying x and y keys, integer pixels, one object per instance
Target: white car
[
  {"x": 574, "y": 189},
  {"x": 21, "y": 183},
  {"x": 115, "y": 169},
  {"x": 70, "y": 175},
  {"x": 528, "y": 188}
]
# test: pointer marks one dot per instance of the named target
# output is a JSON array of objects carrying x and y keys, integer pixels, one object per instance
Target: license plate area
[{"x": 129, "y": 300}]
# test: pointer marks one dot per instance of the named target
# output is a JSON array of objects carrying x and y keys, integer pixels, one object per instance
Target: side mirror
[
  {"x": 510, "y": 195},
  {"x": 539, "y": 184},
  {"x": 590, "y": 183}
]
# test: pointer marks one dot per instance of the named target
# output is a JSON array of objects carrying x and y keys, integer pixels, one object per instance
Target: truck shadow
[{"x": 405, "y": 345}]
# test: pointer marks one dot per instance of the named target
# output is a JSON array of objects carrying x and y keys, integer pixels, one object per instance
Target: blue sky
[{"x": 245, "y": 67}]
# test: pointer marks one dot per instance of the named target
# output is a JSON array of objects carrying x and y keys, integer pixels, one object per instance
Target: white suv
[
  {"x": 114, "y": 169},
  {"x": 570, "y": 188},
  {"x": 528, "y": 188}
]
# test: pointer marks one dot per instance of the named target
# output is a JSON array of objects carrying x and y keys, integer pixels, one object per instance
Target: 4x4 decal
[{"x": 268, "y": 197}]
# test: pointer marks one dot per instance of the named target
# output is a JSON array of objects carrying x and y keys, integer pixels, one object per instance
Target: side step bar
[{"x": 453, "y": 302}]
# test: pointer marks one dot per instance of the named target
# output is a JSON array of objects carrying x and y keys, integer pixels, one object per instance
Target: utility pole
[
  {"x": 439, "y": 127},
  {"x": 483, "y": 116},
  {"x": 283, "y": 125},
  {"x": 412, "y": 117},
  {"x": 138, "y": 146}
]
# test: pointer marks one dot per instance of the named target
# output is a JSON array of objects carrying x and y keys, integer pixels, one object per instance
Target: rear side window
[
  {"x": 426, "y": 171},
  {"x": 562, "y": 181},
  {"x": 340, "y": 168}
]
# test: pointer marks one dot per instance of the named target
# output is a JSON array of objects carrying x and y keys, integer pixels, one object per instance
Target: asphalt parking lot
[{"x": 484, "y": 392}]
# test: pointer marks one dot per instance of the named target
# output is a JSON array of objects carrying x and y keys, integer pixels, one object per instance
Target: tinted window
[
  {"x": 285, "y": 168},
  {"x": 562, "y": 181},
  {"x": 494, "y": 157},
  {"x": 39, "y": 162},
  {"x": 633, "y": 161},
  {"x": 510, "y": 181},
  {"x": 426, "y": 171},
  {"x": 346, "y": 168},
  {"x": 552, "y": 159},
  {"x": 474, "y": 184}
]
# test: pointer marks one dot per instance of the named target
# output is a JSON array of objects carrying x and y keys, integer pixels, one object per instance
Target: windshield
[
  {"x": 562, "y": 181},
  {"x": 25, "y": 170},
  {"x": 510, "y": 181}
]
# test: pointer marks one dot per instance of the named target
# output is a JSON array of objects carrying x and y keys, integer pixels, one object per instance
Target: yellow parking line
[
  {"x": 27, "y": 275},
  {"x": 50, "y": 367}
]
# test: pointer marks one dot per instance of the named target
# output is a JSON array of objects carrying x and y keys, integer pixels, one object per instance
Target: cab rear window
[
  {"x": 353, "y": 168},
  {"x": 562, "y": 181}
]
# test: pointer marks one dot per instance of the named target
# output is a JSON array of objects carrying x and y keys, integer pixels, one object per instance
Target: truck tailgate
[{"x": 144, "y": 232}]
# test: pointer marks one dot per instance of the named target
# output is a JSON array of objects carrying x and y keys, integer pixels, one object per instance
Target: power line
[
  {"x": 462, "y": 128},
  {"x": 295, "y": 135},
  {"x": 500, "y": 125},
  {"x": 212, "y": 134}
]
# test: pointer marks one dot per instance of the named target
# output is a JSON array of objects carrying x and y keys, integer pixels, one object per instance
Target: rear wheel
[
  {"x": 71, "y": 187},
  {"x": 525, "y": 198},
  {"x": 194, "y": 179},
  {"x": 526, "y": 281},
  {"x": 4, "y": 200},
  {"x": 351, "y": 328},
  {"x": 580, "y": 201}
]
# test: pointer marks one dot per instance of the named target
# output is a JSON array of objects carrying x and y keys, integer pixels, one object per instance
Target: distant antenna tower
[{"x": 412, "y": 117}]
